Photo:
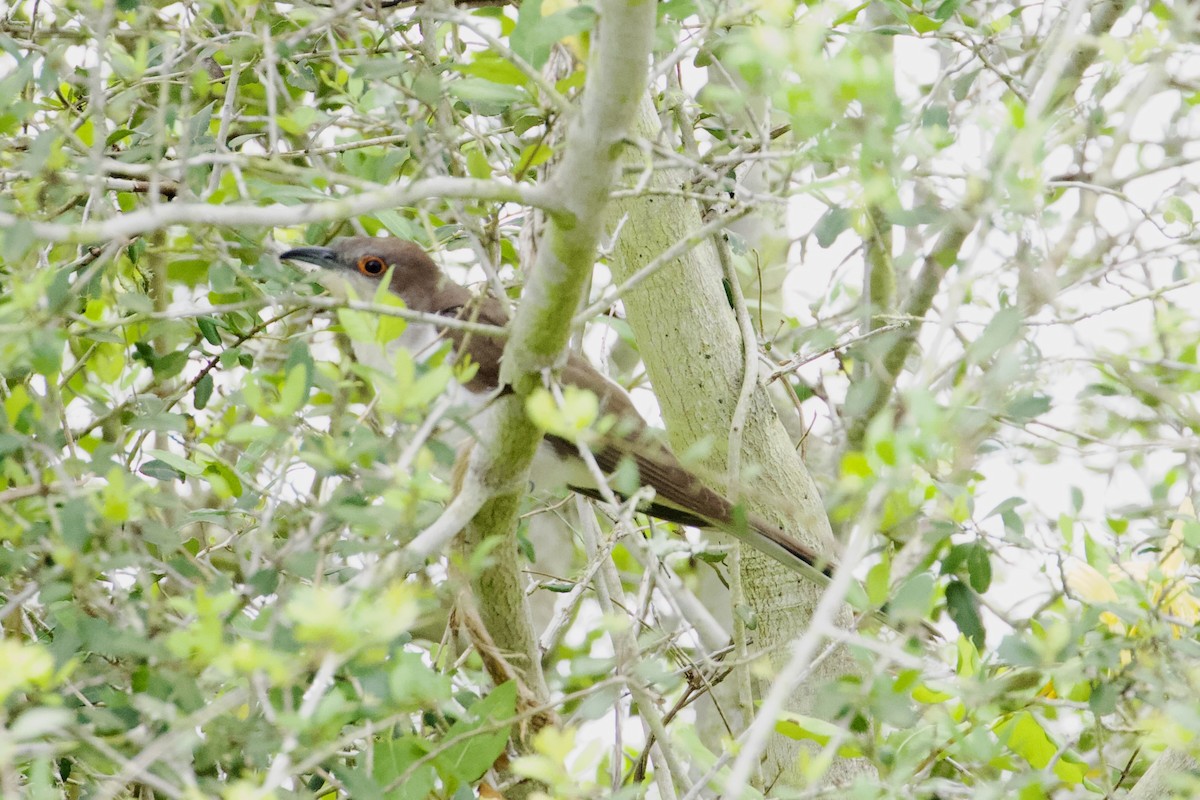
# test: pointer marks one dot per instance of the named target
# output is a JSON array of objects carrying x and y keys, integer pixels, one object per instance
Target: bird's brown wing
[{"x": 680, "y": 495}]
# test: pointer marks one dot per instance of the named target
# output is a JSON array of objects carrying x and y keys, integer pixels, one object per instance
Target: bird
[{"x": 681, "y": 496}]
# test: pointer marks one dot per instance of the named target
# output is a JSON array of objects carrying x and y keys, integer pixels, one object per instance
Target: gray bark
[
  {"x": 693, "y": 351},
  {"x": 1174, "y": 774}
]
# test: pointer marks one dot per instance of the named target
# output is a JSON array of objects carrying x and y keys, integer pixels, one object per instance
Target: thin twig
[{"x": 798, "y": 361}]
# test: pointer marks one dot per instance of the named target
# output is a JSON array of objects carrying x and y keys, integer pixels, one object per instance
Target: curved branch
[{"x": 238, "y": 215}]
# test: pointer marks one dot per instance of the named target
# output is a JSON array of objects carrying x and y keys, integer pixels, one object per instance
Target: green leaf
[
  {"x": 625, "y": 479},
  {"x": 357, "y": 782},
  {"x": 170, "y": 365},
  {"x": 46, "y": 354},
  {"x": 831, "y": 225},
  {"x": 300, "y": 75},
  {"x": 803, "y": 728},
  {"x": 160, "y": 470},
  {"x": 963, "y": 608},
  {"x": 118, "y": 135},
  {"x": 246, "y": 432},
  {"x": 39, "y": 722},
  {"x": 1026, "y": 737},
  {"x": 1103, "y": 699},
  {"x": 75, "y": 520},
  {"x": 1027, "y": 407},
  {"x": 534, "y": 34},
  {"x": 427, "y": 86},
  {"x": 534, "y": 155},
  {"x": 979, "y": 567},
  {"x": 878, "y": 583},
  {"x": 392, "y": 758},
  {"x": 198, "y": 126},
  {"x": 429, "y": 386},
  {"x": 485, "y": 93},
  {"x": 404, "y": 369},
  {"x": 1176, "y": 209},
  {"x": 295, "y": 391},
  {"x": 203, "y": 391},
  {"x": 397, "y": 224},
  {"x": 177, "y": 462},
  {"x": 923, "y": 24},
  {"x": 388, "y": 327},
  {"x": 1094, "y": 553},
  {"x": 358, "y": 325},
  {"x": 913, "y": 597},
  {"x": 678, "y": 9},
  {"x": 208, "y": 329},
  {"x": 897, "y": 8},
  {"x": 947, "y": 9},
  {"x": 494, "y": 68},
  {"x": 477, "y": 164},
  {"x": 999, "y": 333},
  {"x": 935, "y": 116},
  {"x": 225, "y": 481},
  {"x": 468, "y": 760},
  {"x": 579, "y": 410},
  {"x": 414, "y": 685},
  {"x": 191, "y": 271},
  {"x": 1005, "y": 506},
  {"x": 17, "y": 237}
]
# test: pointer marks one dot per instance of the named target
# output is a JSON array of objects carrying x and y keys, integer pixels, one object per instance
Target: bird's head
[{"x": 366, "y": 260}]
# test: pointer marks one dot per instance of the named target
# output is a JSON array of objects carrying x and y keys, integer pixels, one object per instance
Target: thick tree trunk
[
  {"x": 1173, "y": 772},
  {"x": 690, "y": 341}
]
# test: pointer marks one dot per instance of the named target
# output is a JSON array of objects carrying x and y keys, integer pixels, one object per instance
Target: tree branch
[
  {"x": 277, "y": 215},
  {"x": 542, "y": 325},
  {"x": 689, "y": 338},
  {"x": 945, "y": 251}
]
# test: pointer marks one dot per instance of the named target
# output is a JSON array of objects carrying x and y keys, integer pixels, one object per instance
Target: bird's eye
[{"x": 371, "y": 265}]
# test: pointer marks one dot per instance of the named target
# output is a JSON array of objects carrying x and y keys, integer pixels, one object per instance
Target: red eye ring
[{"x": 372, "y": 266}]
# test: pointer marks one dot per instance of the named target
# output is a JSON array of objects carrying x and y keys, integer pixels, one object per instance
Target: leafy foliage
[{"x": 205, "y": 473}]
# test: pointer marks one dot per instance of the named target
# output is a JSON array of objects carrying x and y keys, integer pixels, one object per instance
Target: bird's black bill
[{"x": 320, "y": 256}]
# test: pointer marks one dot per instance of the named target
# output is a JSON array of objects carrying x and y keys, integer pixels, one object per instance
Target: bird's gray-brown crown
[{"x": 415, "y": 276}]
